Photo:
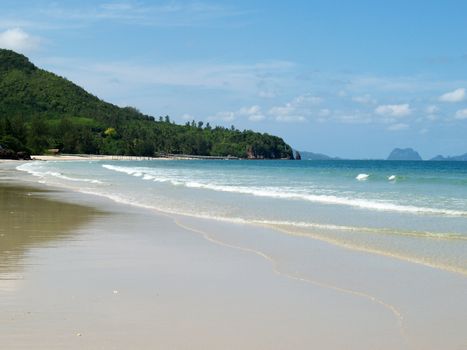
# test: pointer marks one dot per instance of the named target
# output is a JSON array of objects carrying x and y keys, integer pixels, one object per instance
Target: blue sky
[{"x": 348, "y": 78}]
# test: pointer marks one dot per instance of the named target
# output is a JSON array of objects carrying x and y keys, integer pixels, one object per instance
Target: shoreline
[
  {"x": 248, "y": 268},
  {"x": 75, "y": 157}
]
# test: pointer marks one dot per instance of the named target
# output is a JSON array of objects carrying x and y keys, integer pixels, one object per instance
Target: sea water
[{"x": 413, "y": 211}]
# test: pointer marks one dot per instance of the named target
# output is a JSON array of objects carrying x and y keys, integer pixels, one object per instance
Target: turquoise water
[{"x": 414, "y": 211}]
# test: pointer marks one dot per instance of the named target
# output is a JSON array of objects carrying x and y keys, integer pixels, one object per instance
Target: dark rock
[
  {"x": 8, "y": 154},
  {"x": 23, "y": 155},
  {"x": 298, "y": 155}
]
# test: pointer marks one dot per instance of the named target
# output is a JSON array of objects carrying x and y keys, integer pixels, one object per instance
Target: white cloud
[
  {"x": 400, "y": 110},
  {"x": 18, "y": 40},
  {"x": 353, "y": 117},
  {"x": 461, "y": 114},
  {"x": 424, "y": 131},
  {"x": 296, "y": 110},
  {"x": 171, "y": 14},
  {"x": 256, "y": 118},
  {"x": 365, "y": 99},
  {"x": 308, "y": 99},
  {"x": 187, "y": 117},
  {"x": 242, "y": 78},
  {"x": 267, "y": 93},
  {"x": 398, "y": 127},
  {"x": 117, "y": 6},
  {"x": 324, "y": 112},
  {"x": 287, "y": 109},
  {"x": 250, "y": 110},
  {"x": 253, "y": 113},
  {"x": 432, "y": 109},
  {"x": 342, "y": 93},
  {"x": 290, "y": 118},
  {"x": 457, "y": 95},
  {"x": 223, "y": 116}
]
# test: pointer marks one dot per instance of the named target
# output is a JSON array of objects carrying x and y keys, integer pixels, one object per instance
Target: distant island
[
  {"x": 305, "y": 155},
  {"x": 41, "y": 111},
  {"x": 411, "y": 154},
  {"x": 404, "y": 154},
  {"x": 461, "y": 158}
]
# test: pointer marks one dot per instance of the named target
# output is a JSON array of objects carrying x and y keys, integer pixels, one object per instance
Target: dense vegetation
[{"x": 40, "y": 110}]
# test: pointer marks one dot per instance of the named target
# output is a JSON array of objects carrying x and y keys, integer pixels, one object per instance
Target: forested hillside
[{"x": 40, "y": 110}]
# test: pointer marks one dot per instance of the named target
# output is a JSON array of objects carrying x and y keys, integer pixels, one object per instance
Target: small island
[{"x": 404, "y": 154}]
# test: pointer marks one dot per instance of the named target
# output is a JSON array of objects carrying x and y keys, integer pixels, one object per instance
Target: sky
[{"x": 353, "y": 79}]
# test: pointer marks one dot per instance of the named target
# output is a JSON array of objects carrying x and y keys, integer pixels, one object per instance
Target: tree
[{"x": 37, "y": 136}]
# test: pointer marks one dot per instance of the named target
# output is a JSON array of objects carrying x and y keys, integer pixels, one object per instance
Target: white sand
[{"x": 91, "y": 157}]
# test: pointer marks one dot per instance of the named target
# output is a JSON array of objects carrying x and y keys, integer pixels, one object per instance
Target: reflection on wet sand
[{"x": 28, "y": 220}]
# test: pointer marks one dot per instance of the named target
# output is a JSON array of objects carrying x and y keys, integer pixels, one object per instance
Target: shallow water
[{"x": 413, "y": 211}]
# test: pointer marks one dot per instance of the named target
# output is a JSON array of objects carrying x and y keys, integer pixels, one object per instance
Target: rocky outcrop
[
  {"x": 23, "y": 155},
  {"x": 250, "y": 154},
  {"x": 298, "y": 156},
  {"x": 10, "y": 154}
]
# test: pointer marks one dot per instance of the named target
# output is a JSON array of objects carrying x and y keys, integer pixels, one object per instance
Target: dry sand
[{"x": 91, "y": 157}]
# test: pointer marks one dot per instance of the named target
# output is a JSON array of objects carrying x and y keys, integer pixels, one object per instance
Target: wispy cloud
[
  {"x": 253, "y": 113},
  {"x": 364, "y": 99},
  {"x": 457, "y": 95},
  {"x": 222, "y": 116},
  {"x": 18, "y": 40},
  {"x": 461, "y": 114},
  {"x": 432, "y": 109},
  {"x": 398, "y": 127},
  {"x": 171, "y": 14},
  {"x": 396, "y": 111},
  {"x": 242, "y": 78},
  {"x": 297, "y": 110}
]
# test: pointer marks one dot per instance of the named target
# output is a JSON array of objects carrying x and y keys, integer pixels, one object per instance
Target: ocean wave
[
  {"x": 279, "y": 193},
  {"x": 362, "y": 177},
  {"x": 28, "y": 168}
]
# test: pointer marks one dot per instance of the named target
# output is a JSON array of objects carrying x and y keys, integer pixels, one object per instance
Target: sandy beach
[
  {"x": 82, "y": 272},
  {"x": 74, "y": 157}
]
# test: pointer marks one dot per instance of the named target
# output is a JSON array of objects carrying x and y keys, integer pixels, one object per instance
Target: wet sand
[{"x": 81, "y": 272}]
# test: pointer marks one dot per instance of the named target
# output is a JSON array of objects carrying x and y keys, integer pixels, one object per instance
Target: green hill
[{"x": 40, "y": 110}]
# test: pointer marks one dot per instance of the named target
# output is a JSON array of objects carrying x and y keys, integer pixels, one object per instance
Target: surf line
[
  {"x": 391, "y": 308},
  {"x": 335, "y": 242}
]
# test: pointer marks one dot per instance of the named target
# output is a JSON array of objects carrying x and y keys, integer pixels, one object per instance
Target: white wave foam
[
  {"x": 279, "y": 193},
  {"x": 362, "y": 177},
  {"x": 43, "y": 174},
  {"x": 392, "y": 178}
]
